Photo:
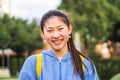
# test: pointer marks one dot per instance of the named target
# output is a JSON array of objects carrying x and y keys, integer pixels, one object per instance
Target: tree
[
  {"x": 19, "y": 35},
  {"x": 4, "y": 35},
  {"x": 4, "y": 38},
  {"x": 34, "y": 40},
  {"x": 94, "y": 18}
]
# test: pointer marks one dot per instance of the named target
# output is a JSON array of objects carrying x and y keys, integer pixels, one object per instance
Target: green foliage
[
  {"x": 18, "y": 35},
  {"x": 13, "y": 65},
  {"x": 4, "y": 35},
  {"x": 106, "y": 68},
  {"x": 94, "y": 18}
]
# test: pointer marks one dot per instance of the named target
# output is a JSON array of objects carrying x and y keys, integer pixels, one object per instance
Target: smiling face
[{"x": 56, "y": 33}]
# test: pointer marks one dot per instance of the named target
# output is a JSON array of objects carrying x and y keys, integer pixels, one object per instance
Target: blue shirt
[{"x": 55, "y": 69}]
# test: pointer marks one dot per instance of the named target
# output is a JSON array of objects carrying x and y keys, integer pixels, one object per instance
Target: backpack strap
[
  {"x": 82, "y": 58},
  {"x": 38, "y": 65}
]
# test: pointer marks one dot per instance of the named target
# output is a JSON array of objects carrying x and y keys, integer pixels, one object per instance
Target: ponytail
[{"x": 76, "y": 59}]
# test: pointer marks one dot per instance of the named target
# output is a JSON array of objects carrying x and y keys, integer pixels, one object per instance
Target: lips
[{"x": 57, "y": 41}]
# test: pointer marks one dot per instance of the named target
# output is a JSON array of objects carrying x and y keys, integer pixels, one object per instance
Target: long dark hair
[{"x": 75, "y": 54}]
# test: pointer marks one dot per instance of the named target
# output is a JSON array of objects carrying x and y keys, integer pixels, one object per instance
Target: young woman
[{"x": 62, "y": 61}]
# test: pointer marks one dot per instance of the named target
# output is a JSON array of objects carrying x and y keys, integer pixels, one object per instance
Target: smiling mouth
[{"x": 57, "y": 42}]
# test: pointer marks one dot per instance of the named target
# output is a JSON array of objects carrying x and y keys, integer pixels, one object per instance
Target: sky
[{"x": 32, "y": 9}]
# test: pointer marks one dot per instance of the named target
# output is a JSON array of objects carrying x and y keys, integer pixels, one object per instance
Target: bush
[
  {"x": 14, "y": 68},
  {"x": 107, "y": 68}
]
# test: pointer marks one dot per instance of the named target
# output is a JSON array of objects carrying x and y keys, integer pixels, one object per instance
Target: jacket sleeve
[
  {"x": 28, "y": 71},
  {"x": 90, "y": 71},
  {"x": 93, "y": 75}
]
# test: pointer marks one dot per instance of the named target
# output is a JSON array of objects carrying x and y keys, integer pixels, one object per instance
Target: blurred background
[{"x": 96, "y": 30}]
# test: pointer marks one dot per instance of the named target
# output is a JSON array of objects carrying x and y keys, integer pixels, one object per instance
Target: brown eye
[
  {"x": 49, "y": 30},
  {"x": 61, "y": 28}
]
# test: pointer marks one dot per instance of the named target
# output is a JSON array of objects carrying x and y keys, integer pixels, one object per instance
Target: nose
[{"x": 56, "y": 34}]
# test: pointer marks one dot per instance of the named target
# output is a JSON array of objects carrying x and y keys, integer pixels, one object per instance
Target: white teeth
[{"x": 56, "y": 41}]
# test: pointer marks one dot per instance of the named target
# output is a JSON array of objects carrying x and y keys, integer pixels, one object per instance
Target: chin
[{"x": 57, "y": 49}]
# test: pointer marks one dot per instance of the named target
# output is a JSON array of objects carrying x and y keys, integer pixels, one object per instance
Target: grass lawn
[{"x": 11, "y": 78}]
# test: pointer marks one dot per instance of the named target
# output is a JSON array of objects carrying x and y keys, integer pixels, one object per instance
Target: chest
[{"x": 57, "y": 70}]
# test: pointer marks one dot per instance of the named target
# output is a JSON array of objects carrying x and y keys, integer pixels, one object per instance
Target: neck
[{"x": 60, "y": 53}]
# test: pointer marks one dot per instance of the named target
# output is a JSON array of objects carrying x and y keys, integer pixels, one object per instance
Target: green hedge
[
  {"x": 107, "y": 68},
  {"x": 14, "y": 67}
]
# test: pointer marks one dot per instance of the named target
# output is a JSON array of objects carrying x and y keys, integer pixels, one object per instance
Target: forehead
[
  {"x": 58, "y": 18},
  {"x": 54, "y": 21}
]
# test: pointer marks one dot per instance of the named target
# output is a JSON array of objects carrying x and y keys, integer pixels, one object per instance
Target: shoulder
[
  {"x": 28, "y": 69},
  {"x": 30, "y": 62},
  {"x": 90, "y": 70},
  {"x": 89, "y": 65},
  {"x": 31, "y": 58},
  {"x": 87, "y": 61}
]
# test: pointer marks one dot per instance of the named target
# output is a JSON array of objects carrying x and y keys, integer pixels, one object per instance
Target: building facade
[{"x": 5, "y": 7}]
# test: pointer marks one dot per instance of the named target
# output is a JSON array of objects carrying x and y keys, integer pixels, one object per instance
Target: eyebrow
[{"x": 57, "y": 26}]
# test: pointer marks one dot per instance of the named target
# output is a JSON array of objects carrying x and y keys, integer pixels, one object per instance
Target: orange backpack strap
[{"x": 38, "y": 64}]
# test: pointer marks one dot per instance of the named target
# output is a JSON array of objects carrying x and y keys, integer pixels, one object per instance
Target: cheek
[
  {"x": 47, "y": 37},
  {"x": 65, "y": 33}
]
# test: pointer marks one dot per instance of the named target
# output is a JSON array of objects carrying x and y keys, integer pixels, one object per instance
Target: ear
[
  {"x": 70, "y": 29},
  {"x": 42, "y": 34}
]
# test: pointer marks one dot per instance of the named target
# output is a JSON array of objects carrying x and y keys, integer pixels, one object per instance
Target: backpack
[{"x": 39, "y": 64}]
